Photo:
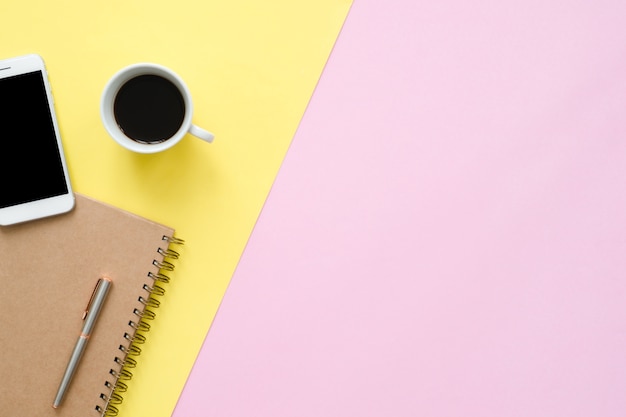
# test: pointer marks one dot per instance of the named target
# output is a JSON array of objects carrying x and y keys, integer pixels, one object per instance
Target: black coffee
[{"x": 149, "y": 109}]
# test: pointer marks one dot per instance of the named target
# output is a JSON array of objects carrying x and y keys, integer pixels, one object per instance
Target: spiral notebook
[{"x": 48, "y": 272}]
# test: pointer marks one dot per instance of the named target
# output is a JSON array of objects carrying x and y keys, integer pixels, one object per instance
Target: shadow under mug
[{"x": 110, "y": 108}]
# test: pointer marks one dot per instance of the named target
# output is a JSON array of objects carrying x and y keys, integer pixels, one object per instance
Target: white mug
[{"x": 120, "y": 114}]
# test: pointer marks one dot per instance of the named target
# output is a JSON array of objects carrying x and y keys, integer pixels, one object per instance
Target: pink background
[{"x": 447, "y": 234}]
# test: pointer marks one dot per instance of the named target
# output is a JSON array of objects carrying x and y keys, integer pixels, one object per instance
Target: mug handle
[{"x": 201, "y": 133}]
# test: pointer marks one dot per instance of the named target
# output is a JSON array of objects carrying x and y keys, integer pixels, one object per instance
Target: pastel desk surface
[{"x": 446, "y": 236}]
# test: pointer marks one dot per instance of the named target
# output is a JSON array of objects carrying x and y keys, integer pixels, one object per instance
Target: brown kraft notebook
[{"x": 48, "y": 271}]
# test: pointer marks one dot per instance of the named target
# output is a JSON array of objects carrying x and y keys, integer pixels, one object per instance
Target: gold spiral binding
[
  {"x": 127, "y": 362},
  {"x": 134, "y": 337},
  {"x": 132, "y": 350},
  {"x": 164, "y": 265},
  {"x": 174, "y": 240},
  {"x": 141, "y": 325},
  {"x": 108, "y": 411},
  {"x": 159, "y": 277},
  {"x": 121, "y": 387},
  {"x": 145, "y": 315},
  {"x": 156, "y": 290},
  {"x": 168, "y": 253}
]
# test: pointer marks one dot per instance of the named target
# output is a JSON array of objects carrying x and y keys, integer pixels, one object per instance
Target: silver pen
[{"x": 89, "y": 316}]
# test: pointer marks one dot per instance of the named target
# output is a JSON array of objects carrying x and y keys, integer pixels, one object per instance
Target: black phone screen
[{"x": 30, "y": 160}]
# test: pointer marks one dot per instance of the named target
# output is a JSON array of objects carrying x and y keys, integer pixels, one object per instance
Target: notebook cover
[{"x": 49, "y": 270}]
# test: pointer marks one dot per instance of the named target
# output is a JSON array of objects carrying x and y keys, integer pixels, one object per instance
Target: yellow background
[{"x": 251, "y": 67}]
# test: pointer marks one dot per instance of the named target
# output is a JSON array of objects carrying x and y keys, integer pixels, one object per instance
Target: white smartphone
[{"x": 35, "y": 180}]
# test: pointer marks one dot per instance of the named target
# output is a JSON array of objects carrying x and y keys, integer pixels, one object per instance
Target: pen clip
[{"x": 93, "y": 295}]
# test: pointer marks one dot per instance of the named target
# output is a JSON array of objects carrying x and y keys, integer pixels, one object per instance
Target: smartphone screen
[{"x": 31, "y": 167}]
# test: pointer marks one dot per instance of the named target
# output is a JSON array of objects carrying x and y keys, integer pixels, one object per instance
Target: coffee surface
[{"x": 149, "y": 109}]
